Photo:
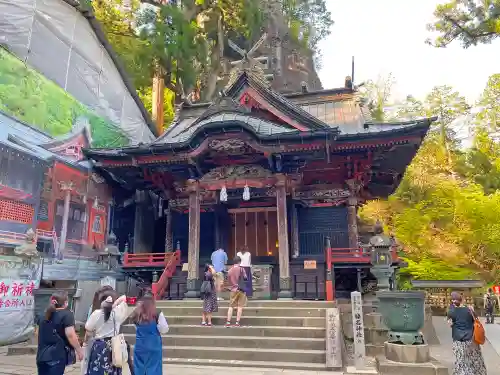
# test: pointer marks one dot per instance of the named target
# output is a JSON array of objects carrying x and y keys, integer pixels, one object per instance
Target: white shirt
[
  {"x": 111, "y": 327},
  {"x": 246, "y": 259}
]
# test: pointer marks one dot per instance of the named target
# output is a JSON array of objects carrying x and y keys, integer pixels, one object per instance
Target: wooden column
[
  {"x": 295, "y": 231},
  {"x": 194, "y": 241},
  {"x": 66, "y": 187},
  {"x": 283, "y": 247},
  {"x": 352, "y": 222},
  {"x": 169, "y": 241},
  {"x": 352, "y": 214},
  {"x": 138, "y": 245}
]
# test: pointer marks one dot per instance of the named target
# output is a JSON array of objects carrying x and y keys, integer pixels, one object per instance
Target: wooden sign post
[{"x": 359, "y": 330}]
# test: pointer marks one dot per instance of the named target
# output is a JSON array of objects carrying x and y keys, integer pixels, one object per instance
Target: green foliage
[
  {"x": 470, "y": 22},
  {"x": 309, "y": 22},
  {"x": 30, "y": 97},
  {"x": 377, "y": 95},
  {"x": 434, "y": 269},
  {"x": 481, "y": 163},
  {"x": 446, "y": 211},
  {"x": 489, "y": 104}
]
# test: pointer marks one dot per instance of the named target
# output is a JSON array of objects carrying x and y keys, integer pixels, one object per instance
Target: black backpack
[{"x": 490, "y": 302}]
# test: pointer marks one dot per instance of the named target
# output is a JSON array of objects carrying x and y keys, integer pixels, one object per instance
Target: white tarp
[
  {"x": 57, "y": 40},
  {"x": 18, "y": 280}
]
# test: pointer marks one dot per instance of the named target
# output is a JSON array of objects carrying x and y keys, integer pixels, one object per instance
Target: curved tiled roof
[{"x": 184, "y": 129}]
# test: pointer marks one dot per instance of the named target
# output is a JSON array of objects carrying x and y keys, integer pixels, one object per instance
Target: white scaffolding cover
[{"x": 57, "y": 40}]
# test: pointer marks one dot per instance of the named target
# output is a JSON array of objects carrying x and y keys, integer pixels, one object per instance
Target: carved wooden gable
[{"x": 71, "y": 146}]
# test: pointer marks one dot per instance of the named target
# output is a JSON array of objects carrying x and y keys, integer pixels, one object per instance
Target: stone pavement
[{"x": 25, "y": 365}]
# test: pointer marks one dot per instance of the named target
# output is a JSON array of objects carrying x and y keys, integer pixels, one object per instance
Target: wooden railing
[
  {"x": 345, "y": 255},
  {"x": 160, "y": 287},
  {"x": 12, "y": 237},
  {"x": 49, "y": 234},
  {"x": 348, "y": 255},
  {"x": 146, "y": 259},
  {"x": 169, "y": 261}
]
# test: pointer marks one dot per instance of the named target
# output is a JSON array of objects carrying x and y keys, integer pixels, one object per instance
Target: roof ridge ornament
[{"x": 248, "y": 63}]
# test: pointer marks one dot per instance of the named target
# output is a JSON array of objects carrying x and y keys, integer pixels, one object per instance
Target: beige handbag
[{"x": 119, "y": 354}]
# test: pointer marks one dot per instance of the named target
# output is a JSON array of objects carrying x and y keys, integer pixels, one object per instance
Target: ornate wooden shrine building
[
  {"x": 46, "y": 186},
  {"x": 280, "y": 174}
]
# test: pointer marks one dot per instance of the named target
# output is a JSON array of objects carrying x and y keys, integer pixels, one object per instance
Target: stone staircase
[{"x": 274, "y": 334}]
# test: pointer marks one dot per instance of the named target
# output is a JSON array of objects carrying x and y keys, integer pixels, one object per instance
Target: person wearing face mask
[
  {"x": 58, "y": 344},
  {"x": 468, "y": 357}
]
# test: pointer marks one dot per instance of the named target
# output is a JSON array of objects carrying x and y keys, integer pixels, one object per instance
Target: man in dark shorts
[{"x": 237, "y": 298}]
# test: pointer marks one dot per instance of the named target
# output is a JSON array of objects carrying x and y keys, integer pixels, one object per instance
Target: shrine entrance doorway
[{"x": 255, "y": 227}]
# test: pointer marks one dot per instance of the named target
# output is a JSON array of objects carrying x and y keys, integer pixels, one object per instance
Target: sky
[{"x": 388, "y": 36}]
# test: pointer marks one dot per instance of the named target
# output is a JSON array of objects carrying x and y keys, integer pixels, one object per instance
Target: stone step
[
  {"x": 347, "y": 308},
  {"x": 374, "y": 350},
  {"x": 255, "y": 331},
  {"x": 244, "y": 354},
  {"x": 299, "y": 366},
  {"x": 246, "y": 321},
  {"x": 248, "y": 311},
  {"x": 285, "y": 304},
  {"x": 386, "y": 367},
  {"x": 210, "y": 338}
]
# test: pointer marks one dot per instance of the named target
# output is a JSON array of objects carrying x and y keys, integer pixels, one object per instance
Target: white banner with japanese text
[{"x": 18, "y": 280}]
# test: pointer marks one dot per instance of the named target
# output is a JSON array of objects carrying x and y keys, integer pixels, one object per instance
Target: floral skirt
[
  {"x": 468, "y": 359},
  {"x": 210, "y": 304},
  {"x": 100, "y": 361}
]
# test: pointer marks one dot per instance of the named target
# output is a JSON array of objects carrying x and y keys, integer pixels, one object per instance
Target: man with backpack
[
  {"x": 238, "y": 299},
  {"x": 490, "y": 300}
]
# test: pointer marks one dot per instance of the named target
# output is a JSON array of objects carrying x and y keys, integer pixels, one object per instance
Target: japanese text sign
[
  {"x": 16, "y": 294},
  {"x": 358, "y": 330}
]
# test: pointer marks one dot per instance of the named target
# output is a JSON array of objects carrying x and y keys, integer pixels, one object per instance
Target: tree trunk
[{"x": 158, "y": 100}]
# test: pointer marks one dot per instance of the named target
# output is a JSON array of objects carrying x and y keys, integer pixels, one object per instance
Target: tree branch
[{"x": 468, "y": 32}]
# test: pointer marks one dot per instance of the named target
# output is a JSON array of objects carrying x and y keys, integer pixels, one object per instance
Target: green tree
[
  {"x": 447, "y": 105},
  {"x": 411, "y": 108},
  {"x": 481, "y": 163},
  {"x": 310, "y": 21},
  {"x": 377, "y": 95},
  {"x": 470, "y": 22},
  {"x": 448, "y": 227},
  {"x": 489, "y": 105}
]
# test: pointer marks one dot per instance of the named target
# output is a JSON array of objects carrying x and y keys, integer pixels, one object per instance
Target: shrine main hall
[{"x": 282, "y": 174}]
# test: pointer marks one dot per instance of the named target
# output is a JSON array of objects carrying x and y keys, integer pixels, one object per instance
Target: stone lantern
[{"x": 382, "y": 268}]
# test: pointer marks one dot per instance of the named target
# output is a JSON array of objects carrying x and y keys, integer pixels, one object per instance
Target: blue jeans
[{"x": 51, "y": 368}]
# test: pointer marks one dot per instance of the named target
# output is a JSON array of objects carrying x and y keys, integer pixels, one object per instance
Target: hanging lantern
[
  {"x": 223, "y": 194},
  {"x": 246, "y": 193}
]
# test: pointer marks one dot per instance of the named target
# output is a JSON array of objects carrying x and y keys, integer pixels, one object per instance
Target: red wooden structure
[
  {"x": 170, "y": 260},
  {"x": 351, "y": 255}
]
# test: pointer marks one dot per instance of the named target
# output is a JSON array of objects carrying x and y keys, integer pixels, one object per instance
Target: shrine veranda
[{"x": 283, "y": 175}]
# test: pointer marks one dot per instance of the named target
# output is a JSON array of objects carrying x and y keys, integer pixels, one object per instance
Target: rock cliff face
[
  {"x": 289, "y": 65},
  {"x": 286, "y": 63}
]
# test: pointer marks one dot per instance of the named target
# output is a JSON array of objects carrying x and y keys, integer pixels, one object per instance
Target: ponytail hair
[
  {"x": 107, "y": 298},
  {"x": 96, "y": 302},
  {"x": 57, "y": 301}
]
